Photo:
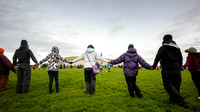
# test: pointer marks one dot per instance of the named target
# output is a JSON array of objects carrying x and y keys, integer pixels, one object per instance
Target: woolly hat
[
  {"x": 90, "y": 46},
  {"x": 130, "y": 46},
  {"x": 1, "y": 50},
  {"x": 167, "y": 37},
  {"x": 192, "y": 50},
  {"x": 24, "y": 43}
]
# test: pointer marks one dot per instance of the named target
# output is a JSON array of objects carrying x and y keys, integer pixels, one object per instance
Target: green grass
[{"x": 111, "y": 93}]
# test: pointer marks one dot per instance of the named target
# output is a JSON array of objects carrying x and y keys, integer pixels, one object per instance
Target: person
[
  {"x": 39, "y": 66},
  {"x": 33, "y": 67},
  {"x": 5, "y": 67},
  {"x": 108, "y": 66},
  {"x": 21, "y": 59},
  {"x": 193, "y": 64},
  {"x": 53, "y": 67},
  {"x": 130, "y": 61},
  {"x": 90, "y": 77},
  {"x": 101, "y": 66},
  {"x": 170, "y": 58}
]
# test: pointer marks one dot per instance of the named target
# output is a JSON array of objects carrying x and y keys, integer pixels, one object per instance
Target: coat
[
  {"x": 193, "y": 62},
  {"x": 93, "y": 56},
  {"x": 170, "y": 57},
  {"x": 5, "y": 65},
  {"x": 131, "y": 61}
]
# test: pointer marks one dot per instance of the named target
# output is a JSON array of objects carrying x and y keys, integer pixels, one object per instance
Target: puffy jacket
[
  {"x": 170, "y": 57},
  {"x": 131, "y": 61},
  {"x": 93, "y": 56},
  {"x": 53, "y": 59},
  {"x": 23, "y": 54},
  {"x": 193, "y": 62}
]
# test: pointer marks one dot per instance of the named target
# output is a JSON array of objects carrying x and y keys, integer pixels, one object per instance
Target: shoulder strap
[{"x": 88, "y": 58}]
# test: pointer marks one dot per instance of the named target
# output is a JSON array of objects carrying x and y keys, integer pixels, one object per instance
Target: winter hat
[
  {"x": 191, "y": 50},
  {"x": 24, "y": 43},
  {"x": 167, "y": 37},
  {"x": 130, "y": 46},
  {"x": 90, "y": 46},
  {"x": 1, "y": 50}
]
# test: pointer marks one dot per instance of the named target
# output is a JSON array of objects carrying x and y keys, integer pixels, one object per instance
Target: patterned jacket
[{"x": 53, "y": 59}]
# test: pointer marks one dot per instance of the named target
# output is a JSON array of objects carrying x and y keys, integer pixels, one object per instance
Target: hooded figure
[
  {"x": 90, "y": 78},
  {"x": 5, "y": 67},
  {"x": 131, "y": 61},
  {"x": 170, "y": 58},
  {"x": 53, "y": 67},
  {"x": 193, "y": 64},
  {"x": 21, "y": 59}
]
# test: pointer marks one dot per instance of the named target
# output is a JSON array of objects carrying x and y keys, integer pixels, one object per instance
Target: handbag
[{"x": 94, "y": 68}]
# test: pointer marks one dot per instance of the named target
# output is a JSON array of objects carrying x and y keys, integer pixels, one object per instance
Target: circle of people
[{"x": 169, "y": 56}]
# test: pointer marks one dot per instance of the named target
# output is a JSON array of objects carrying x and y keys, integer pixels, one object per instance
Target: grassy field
[{"x": 111, "y": 93}]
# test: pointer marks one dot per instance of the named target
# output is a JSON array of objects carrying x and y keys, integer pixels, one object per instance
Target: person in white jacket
[{"x": 90, "y": 77}]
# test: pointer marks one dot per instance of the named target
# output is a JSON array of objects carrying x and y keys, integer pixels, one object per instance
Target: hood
[
  {"x": 89, "y": 50},
  {"x": 197, "y": 54},
  {"x": 131, "y": 50},
  {"x": 171, "y": 44},
  {"x": 55, "y": 49}
]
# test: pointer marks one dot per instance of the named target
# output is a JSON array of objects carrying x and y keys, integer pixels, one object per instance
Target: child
[
  {"x": 131, "y": 60},
  {"x": 193, "y": 64}
]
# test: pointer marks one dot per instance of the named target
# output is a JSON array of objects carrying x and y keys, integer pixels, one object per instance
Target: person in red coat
[
  {"x": 5, "y": 67},
  {"x": 193, "y": 65}
]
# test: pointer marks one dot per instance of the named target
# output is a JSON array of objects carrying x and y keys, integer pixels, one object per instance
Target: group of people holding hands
[{"x": 169, "y": 56}]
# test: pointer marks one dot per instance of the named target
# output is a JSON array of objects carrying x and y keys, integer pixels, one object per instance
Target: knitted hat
[
  {"x": 167, "y": 37},
  {"x": 90, "y": 46},
  {"x": 24, "y": 43},
  {"x": 130, "y": 46},
  {"x": 192, "y": 50},
  {"x": 1, "y": 50}
]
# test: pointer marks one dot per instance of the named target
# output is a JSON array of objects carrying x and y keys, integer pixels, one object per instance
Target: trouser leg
[
  {"x": 93, "y": 82},
  {"x": 196, "y": 80},
  {"x": 19, "y": 79},
  {"x": 50, "y": 81},
  {"x": 172, "y": 82},
  {"x": 130, "y": 85},
  {"x": 87, "y": 80},
  {"x": 56, "y": 80},
  {"x": 26, "y": 78}
]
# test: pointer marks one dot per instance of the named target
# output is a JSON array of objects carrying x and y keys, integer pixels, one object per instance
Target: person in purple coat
[{"x": 131, "y": 61}]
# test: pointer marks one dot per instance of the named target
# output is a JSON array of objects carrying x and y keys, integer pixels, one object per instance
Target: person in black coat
[
  {"x": 21, "y": 59},
  {"x": 170, "y": 58}
]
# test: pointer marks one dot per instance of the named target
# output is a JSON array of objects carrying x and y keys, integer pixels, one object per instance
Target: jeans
[
  {"x": 51, "y": 75},
  {"x": 131, "y": 82},
  {"x": 90, "y": 80}
]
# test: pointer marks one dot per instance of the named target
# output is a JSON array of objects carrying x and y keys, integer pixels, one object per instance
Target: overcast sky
[{"x": 110, "y": 25}]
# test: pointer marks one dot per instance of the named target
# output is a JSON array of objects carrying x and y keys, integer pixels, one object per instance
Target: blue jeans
[{"x": 51, "y": 75}]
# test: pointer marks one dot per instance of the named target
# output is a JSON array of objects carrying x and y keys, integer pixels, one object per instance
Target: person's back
[
  {"x": 21, "y": 58},
  {"x": 194, "y": 61},
  {"x": 171, "y": 58}
]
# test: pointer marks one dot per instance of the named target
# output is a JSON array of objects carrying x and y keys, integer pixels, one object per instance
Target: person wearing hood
[
  {"x": 5, "y": 67},
  {"x": 90, "y": 77},
  {"x": 193, "y": 64},
  {"x": 53, "y": 67},
  {"x": 170, "y": 58},
  {"x": 131, "y": 61},
  {"x": 21, "y": 59}
]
